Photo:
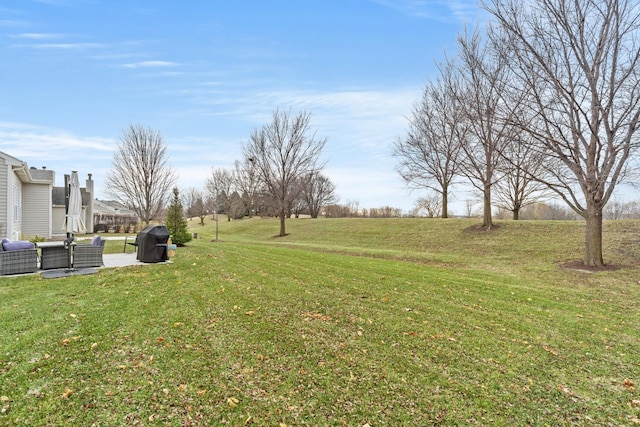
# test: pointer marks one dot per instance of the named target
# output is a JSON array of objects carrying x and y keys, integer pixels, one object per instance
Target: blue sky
[{"x": 206, "y": 73}]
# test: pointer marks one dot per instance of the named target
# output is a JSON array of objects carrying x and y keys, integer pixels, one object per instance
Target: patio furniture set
[{"x": 20, "y": 257}]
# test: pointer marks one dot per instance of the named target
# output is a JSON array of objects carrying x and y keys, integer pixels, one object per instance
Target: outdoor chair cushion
[{"x": 18, "y": 245}]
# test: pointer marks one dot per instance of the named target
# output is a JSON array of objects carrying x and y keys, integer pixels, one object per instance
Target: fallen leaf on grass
[
  {"x": 565, "y": 390},
  {"x": 6, "y": 404},
  {"x": 628, "y": 384},
  {"x": 233, "y": 402},
  {"x": 68, "y": 392},
  {"x": 316, "y": 316}
]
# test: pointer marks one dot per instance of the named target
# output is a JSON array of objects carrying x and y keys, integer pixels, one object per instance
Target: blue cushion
[
  {"x": 16, "y": 246},
  {"x": 96, "y": 240}
]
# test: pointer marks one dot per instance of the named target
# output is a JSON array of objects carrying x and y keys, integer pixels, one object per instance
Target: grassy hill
[{"x": 342, "y": 322}]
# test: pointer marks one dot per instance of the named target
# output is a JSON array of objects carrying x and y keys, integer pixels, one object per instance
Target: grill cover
[{"x": 152, "y": 244}]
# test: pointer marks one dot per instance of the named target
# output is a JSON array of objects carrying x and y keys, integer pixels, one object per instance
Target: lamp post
[{"x": 215, "y": 207}]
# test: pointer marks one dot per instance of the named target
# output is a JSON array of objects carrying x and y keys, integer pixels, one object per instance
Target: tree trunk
[
  {"x": 445, "y": 203},
  {"x": 487, "y": 220},
  {"x": 593, "y": 237},
  {"x": 282, "y": 226},
  {"x": 516, "y": 214}
]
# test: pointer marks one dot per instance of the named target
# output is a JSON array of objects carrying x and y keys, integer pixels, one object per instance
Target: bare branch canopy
[{"x": 140, "y": 176}]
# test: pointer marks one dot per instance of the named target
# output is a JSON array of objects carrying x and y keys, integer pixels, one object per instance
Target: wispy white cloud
[
  {"x": 63, "y": 46},
  {"x": 151, "y": 64},
  {"x": 27, "y": 140},
  {"x": 362, "y": 118},
  {"x": 11, "y": 23},
  {"x": 442, "y": 10},
  {"x": 63, "y": 149},
  {"x": 38, "y": 36},
  {"x": 62, "y": 2}
]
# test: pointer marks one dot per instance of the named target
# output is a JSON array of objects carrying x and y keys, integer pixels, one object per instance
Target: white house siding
[
  {"x": 16, "y": 208},
  {"x": 5, "y": 203},
  {"x": 36, "y": 210}
]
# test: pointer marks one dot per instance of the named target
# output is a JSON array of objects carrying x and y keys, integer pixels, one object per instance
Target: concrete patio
[{"x": 110, "y": 261}]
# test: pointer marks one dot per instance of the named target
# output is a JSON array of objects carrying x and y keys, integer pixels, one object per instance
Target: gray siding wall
[
  {"x": 36, "y": 214},
  {"x": 5, "y": 169}
]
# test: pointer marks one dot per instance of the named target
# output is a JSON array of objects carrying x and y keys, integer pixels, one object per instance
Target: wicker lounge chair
[
  {"x": 88, "y": 254},
  {"x": 18, "y": 261}
]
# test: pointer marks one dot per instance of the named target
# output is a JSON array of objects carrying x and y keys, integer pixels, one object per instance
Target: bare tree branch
[
  {"x": 140, "y": 176},
  {"x": 284, "y": 151}
]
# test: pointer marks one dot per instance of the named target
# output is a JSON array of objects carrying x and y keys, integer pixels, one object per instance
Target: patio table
[{"x": 54, "y": 255}]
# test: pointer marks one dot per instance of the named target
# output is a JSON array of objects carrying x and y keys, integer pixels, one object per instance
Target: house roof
[
  {"x": 27, "y": 174},
  {"x": 57, "y": 196},
  {"x": 111, "y": 207}
]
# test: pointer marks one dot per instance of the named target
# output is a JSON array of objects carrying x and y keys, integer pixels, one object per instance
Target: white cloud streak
[
  {"x": 38, "y": 36},
  {"x": 151, "y": 64},
  {"x": 441, "y": 10}
]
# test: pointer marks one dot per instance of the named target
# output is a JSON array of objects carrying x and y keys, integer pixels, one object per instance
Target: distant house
[
  {"x": 27, "y": 205},
  {"x": 110, "y": 215}
]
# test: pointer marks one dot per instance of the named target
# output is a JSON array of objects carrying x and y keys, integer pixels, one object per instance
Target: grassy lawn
[{"x": 342, "y": 322}]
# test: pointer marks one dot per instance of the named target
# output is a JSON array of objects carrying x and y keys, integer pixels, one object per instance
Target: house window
[{"x": 17, "y": 202}]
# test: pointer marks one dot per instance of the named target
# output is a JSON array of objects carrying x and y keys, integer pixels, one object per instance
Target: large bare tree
[
  {"x": 481, "y": 97},
  {"x": 578, "y": 64},
  {"x": 428, "y": 155},
  {"x": 284, "y": 151},
  {"x": 140, "y": 176}
]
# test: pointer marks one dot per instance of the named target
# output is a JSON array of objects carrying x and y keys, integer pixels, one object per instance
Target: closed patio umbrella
[{"x": 73, "y": 219}]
